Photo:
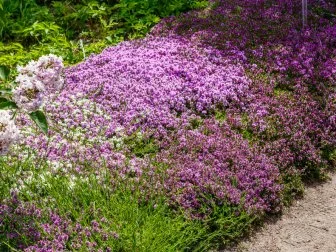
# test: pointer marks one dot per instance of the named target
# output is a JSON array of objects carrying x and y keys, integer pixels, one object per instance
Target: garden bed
[{"x": 180, "y": 141}]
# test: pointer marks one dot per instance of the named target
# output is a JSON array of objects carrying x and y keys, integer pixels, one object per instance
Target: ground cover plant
[{"x": 179, "y": 141}]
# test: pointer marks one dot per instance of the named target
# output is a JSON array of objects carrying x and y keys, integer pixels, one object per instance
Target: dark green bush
[{"x": 75, "y": 28}]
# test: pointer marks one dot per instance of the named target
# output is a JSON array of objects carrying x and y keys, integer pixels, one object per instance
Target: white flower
[
  {"x": 28, "y": 96},
  {"x": 58, "y": 84},
  {"x": 27, "y": 71},
  {"x": 9, "y": 133},
  {"x": 52, "y": 62},
  {"x": 49, "y": 70}
]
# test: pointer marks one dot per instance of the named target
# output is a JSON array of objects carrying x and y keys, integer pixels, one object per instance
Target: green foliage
[
  {"x": 141, "y": 226},
  {"x": 40, "y": 120},
  {"x": 4, "y": 73},
  {"x": 6, "y": 104},
  {"x": 31, "y": 28},
  {"x": 319, "y": 10},
  {"x": 140, "y": 145},
  {"x": 38, "y": 117},
  {"x": 196, "y": 123},
  {"x": 329, "y": 154},
  {"x": 293, "y": 188},
  {"x": 220, "y": 115}
]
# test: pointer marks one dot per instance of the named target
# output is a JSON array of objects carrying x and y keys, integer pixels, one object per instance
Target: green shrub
[{"x": 75, "y": 28}]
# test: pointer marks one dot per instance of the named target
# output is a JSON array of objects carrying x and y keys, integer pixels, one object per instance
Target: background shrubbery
[{"x": 74, "y": 29}]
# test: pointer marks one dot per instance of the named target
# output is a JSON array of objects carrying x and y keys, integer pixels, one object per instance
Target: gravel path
[{"x": 307, "y": 226}]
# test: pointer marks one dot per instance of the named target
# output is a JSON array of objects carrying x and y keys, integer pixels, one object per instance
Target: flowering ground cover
[{"x": 179, "y": 141}]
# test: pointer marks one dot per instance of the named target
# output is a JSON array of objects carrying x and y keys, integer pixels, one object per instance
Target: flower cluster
[
  {"x": 36, "y": 79},
  {"x": 269, "y": 33},
  {"x": 30, "y": 228},
  {"x": 9, "y": 133},
  {"x": 152, "y": 85},
  {"x": 29, "y": 95},
  {"x": 48, "y": 69},
  {"x": 293, "y": 71},
  {"x": 17, "y": 221},
  {"x": 213, "y": 163}
]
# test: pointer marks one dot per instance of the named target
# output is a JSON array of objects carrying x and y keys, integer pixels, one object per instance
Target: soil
[{"x": 309, "y": 225}]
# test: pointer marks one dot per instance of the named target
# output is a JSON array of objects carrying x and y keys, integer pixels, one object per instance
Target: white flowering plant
[
  {"x": 33, "y": 83},
  {"x": 9, "y": 133}
]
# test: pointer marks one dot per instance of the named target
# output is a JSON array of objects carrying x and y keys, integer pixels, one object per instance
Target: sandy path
[{"x": 307, "y": 226}]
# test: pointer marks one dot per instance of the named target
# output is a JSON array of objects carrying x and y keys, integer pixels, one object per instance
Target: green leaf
[
  {"x": 4, "y": 91},
  {"x": 40, "y": 119},
  {"x": 4, "y": 72},
  {"x": 109, "y": 39},
  {"x": 7, "y": 104}
]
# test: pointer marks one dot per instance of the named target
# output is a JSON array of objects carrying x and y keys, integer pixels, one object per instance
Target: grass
[{"x": 141, "y": 225}]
